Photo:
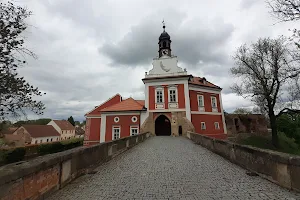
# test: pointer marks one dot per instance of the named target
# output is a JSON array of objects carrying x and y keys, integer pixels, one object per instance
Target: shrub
[
  {"x": 59, "y": 146},
  {"x": 50, "y": 148},
  {"x": 13, "y": 155}
]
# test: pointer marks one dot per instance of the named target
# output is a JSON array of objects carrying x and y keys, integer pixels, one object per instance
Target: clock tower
[{"x": 164, "y": 43}]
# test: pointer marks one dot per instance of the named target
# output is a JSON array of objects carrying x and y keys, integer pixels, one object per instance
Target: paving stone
[{"x": 171, "y": 168}]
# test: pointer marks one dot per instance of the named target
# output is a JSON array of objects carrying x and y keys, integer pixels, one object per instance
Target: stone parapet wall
[
  {"x": 38, "y": 178},
  {"x": 280, "y": 168}
]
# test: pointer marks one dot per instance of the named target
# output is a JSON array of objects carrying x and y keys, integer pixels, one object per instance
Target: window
[
  {"x": 51, "y": 139},
  {"x": 217, "y": 126},
  {"x": 203, "y": 126},
  {"x": 172, "y": 95},
  {"x": 116, "y": 119},
  {"x": 41, "y": 141},
  {"x": 200, "y": 100},
  {"x": 134, "y": 119},
  {"x": 116, "y": 133},
  {"x": 134, "y": 130},
  {"x": 213, "y": 102},
  {"x": 47, "y": 140},
  {"x": 159, "y": 96},
  {"x": 36, "y": 142}
]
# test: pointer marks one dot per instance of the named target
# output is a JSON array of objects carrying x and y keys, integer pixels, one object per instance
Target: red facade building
[{"x": 174, "y": 104}]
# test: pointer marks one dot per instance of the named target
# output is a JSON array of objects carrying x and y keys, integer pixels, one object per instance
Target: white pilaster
[
  {"x": 223, "y": 116},
  {"x": 103, "y": 128},
  {"x": 187, "y": 101}
]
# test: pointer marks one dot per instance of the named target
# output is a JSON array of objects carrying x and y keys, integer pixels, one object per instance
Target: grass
[{"x": 286, "y": 144}]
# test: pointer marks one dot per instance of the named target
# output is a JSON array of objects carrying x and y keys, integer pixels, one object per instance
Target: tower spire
[{"x": 164, "y": 25}]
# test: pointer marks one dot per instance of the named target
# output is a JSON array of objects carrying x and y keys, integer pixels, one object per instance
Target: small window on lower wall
[
  {"x": 217, "y": 126},
  {"x": 203, "y": 126},
  {"x": 134, "y": 131},
  {"x": 116, "y": 132}
]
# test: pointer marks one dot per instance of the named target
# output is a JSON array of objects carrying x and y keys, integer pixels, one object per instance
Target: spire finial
[{"x": 164, "y": 25}]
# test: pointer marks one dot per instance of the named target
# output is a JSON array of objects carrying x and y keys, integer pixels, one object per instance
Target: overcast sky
[{"x": 90, "y": 50}]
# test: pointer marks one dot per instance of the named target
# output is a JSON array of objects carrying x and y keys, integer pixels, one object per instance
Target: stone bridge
[{"x": 171, "y": 168}]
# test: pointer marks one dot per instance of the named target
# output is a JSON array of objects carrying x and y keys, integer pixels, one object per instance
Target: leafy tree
[
  {"x": 71, "y": 120},
  {"x": 42, "y": 121},
  {"x": 16, "y": 95},
  {"x": 242, "y": 111},
  {"x": 77, "y": 123},
  {"x": 269, "y": 72},
  {"x": 289, "y": 123}
]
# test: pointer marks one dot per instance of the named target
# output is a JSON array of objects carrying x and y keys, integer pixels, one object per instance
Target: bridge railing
[
  {"x": 38, "y": 178},
  {"x": 280, "y": 168}
]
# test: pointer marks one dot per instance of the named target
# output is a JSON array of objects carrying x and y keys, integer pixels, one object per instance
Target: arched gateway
[{"x": 162, "y": 126}]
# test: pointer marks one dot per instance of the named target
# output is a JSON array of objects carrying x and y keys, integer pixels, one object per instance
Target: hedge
[
  {"x": 13, "y": 155},
  {"x": 18, "y": 154},
  {"x": 59, "y": 146}
]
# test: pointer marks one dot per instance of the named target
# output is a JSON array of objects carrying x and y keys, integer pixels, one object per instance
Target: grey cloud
[{"x": 192, "y": 42}]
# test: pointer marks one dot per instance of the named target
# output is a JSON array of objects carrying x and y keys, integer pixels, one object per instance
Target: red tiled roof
[
  {"x": 64, "y": 125},
  {"x": 127, "y": 105},
  {"x": 142, "y": 102},
  {"x": 41, "y": 130},
  {"x": 113, "y": 100},
  {"x": 202, "y": 82}
]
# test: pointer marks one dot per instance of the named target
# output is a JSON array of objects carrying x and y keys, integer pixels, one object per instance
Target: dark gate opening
[
  {"x": 162, "y": 126},
  {"x": 180, "y": 130}
]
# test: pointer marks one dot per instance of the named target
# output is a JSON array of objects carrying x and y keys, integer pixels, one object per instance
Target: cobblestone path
[{"x": 171, "y": 168}]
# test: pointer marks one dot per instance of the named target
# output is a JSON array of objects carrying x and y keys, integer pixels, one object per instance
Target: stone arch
[{"x": 162, "y": 124}]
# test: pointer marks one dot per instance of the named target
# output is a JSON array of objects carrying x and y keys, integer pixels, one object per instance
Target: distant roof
[
  {"x": 41, "y": 130},
  {"x": 79, "y": 131},
  {"x": 64, "y": 124},
  {"x": 202, "y": 82},
  {"x": 126, "y": 105},
  {"x": 9, "y": 130}
]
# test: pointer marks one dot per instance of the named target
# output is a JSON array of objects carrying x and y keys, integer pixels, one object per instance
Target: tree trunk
[{"x": 274, "y": 129}]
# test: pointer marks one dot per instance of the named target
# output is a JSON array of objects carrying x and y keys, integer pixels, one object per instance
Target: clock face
[{"x": 164, "y": 52}]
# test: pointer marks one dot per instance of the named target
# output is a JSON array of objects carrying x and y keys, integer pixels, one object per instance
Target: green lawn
[{"x": 286, "y": 145}]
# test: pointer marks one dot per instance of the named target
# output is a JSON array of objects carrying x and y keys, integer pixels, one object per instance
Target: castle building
[{"x": 175, "y": 103}]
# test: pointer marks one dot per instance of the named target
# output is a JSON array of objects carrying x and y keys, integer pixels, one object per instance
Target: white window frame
[
  {"x": 200, "y": 107},
  {"x": 173, "y": 88},
  {"x": 134, "y": 128},
  {"x": 159, "y": 89},
  {"x": 134, "y": 119},
  {"x": 217, "y": 125},
  {"x": 203, "y": 126},
  {"x": 113, "y": 132},
  {"x": 212, "y": 105},
  {"x": 116, "y": 119}
]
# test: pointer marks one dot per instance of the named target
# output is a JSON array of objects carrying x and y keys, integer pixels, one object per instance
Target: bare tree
[
  {"x": 287, "y": 10},
  {"x": 266, "y": 70},
  {"x": 16, "y": 95}
]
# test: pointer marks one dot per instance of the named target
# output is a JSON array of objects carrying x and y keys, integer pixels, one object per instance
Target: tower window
[
  {"x": 172, "y": 95},
  {"x": 159, "y": 96},
  {"x": 164, "y": 44}
]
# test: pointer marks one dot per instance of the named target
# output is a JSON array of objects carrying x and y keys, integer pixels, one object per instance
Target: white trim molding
[
  {"x": 204, "y": 90},
  {"x": 120, "y": 113},
  {"x": 92, "y": 117},
  {"x": 187, "y": 100},
  {"x": 168, "y": 110},
  {"x": 223, "y": 116},
  {"x": 102, "y": 128},
  {"x": 205, "y": 113}
]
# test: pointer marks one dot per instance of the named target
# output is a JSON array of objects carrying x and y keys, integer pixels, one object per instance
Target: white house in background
[
  {"x": 37, "y": 134},
  {"x": 64, "y": 127}
]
